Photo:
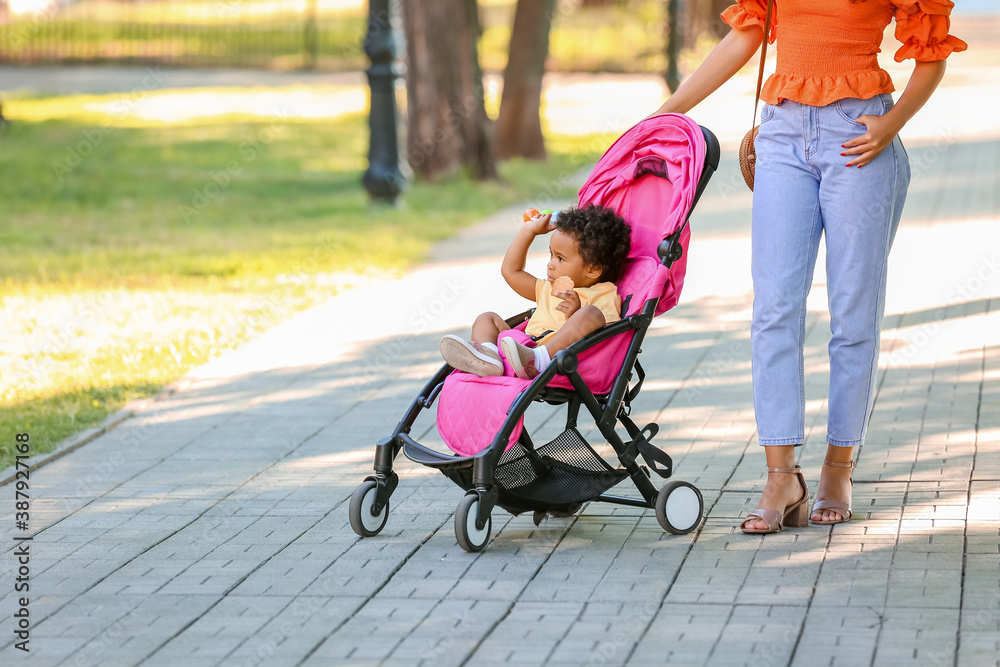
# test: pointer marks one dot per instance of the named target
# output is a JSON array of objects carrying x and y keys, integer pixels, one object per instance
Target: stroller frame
[{"x": 369, "y": 507}]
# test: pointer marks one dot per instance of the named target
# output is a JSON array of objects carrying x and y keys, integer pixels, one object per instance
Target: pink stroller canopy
[{"x": 650, "y": 177}]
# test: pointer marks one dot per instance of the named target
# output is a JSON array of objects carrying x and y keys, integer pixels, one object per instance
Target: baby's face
[{"x": 565, "y": 260}]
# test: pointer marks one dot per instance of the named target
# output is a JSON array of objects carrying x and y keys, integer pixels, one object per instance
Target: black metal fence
[
  {"x": 275, "y": 34},
  {"x": 625, "y": 35}
]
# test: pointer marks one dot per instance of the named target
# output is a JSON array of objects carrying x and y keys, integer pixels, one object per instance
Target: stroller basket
[
  {"x": 562, "y": 472},
  {"x": 558, "y": 475}
]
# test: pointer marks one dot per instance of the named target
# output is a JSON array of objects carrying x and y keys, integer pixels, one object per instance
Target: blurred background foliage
[{"x": 326, "y": 35}]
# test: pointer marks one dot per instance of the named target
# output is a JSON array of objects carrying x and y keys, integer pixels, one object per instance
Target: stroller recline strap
[
  {"x": 641, "y": 444},
  {"x": 652, "y": 455}
]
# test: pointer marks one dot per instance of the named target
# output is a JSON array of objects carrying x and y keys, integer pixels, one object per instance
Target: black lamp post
[{"x": 382, "y": 179}]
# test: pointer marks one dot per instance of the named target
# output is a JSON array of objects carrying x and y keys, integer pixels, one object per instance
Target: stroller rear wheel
[
  {"x": 679, "y": 507},
  {"x": 470, "y": 537},
  {"x": 363, "y": 521}
]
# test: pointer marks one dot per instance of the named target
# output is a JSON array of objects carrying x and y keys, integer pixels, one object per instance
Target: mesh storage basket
[{"x": 562, "y": 472}]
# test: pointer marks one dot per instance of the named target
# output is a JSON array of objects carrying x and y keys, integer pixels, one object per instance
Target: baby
[{"x": 587, "y": 253}]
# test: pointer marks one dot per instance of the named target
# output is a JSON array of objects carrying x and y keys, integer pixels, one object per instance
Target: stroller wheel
[
  {"x": 363, "y": 521},
  {"x": 679, "y": 507},
  {"x": 471, "y": 538}
]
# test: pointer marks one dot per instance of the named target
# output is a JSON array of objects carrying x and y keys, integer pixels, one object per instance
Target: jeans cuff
[
  {"x": 775, "y": 442},
  {"x": 844, "y": 443}
]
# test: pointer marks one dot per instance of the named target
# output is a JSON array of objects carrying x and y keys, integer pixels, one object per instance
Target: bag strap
[{"x": 763, "y": 53}]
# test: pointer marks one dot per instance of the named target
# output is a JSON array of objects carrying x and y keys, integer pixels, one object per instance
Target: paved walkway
[{"x": 212, "y": 528}]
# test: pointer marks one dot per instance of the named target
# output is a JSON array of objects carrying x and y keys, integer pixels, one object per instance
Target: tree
[
  {"x": 519, "y": 125},
  {"x": 703, "y": 16},
  {"x": 447, "y": 125}
]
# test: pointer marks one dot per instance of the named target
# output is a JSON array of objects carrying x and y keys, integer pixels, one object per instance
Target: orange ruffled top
[{"x": 829, "y": 48}]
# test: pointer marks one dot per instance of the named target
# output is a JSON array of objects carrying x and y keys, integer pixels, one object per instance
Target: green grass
[{"x": 111, "y": 288}]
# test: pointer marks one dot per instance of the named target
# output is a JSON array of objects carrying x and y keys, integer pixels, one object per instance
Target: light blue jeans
[{"x": 803, "y": 190}]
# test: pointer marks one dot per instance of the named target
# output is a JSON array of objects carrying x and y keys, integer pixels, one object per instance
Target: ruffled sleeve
[
  {"x": 747, "y": 13},
  {"x": 922, "y": 26}
]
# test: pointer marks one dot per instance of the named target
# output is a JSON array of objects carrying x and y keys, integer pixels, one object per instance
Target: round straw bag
[
  {"x": 748, "y": 152},
  {"x": 748, "y": 156}
]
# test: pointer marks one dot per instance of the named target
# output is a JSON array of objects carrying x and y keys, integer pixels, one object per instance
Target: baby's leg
[
  {"x": 480, "y": 356},
  {"x": 487, "y": 328},
  {"x": 584, "y": 321},
  {"x": 529, "y": 362}
]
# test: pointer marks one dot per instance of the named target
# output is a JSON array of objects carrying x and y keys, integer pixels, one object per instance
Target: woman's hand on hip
[{"x": 881, "y": 131}]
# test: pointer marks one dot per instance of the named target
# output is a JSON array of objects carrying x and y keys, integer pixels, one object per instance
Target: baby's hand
[
  {"x": 540, "y": 223},
  {"x": 570, "y": 302}
]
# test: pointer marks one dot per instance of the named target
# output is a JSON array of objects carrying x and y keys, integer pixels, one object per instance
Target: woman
[{"x": 827, "y": 107}]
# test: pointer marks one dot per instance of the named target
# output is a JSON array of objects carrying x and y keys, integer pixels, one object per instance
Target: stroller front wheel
[
  {"x": 471, "y": 538},
  {"x": 679, "y": 507},
  {"x": 363, "y": 521}
]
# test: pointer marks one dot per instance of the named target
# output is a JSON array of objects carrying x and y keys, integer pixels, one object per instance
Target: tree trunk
[
  {"x": 519, "y": 126},
  {"x": 447, "y": 125},
  {"x": 703, "y": 16},
  {"x": 716, "y": 25}
]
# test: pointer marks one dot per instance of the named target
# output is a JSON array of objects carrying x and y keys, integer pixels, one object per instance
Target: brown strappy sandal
[
  {"x": 795, "y": 515},
  {"x": 835, "y": 505}
]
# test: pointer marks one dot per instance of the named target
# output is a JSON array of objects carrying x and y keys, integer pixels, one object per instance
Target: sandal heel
[{"x": 798, "y": 517}]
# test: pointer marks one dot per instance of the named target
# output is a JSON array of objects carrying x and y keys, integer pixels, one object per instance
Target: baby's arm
[{"x": 512, "y": 268}]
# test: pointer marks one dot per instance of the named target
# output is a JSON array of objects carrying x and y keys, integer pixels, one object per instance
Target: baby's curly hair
[{"x": 603, "y": 238}]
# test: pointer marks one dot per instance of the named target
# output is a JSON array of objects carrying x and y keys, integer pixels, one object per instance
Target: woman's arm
[
  {"x": 883, "y": 129},
  {"x": 725, "y": 60},
  {"x": 512, "y": 268}
]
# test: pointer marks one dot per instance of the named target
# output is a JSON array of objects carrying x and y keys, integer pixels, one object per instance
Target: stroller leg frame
[
  {"x": 487, "y": 501},
  {"x": 606, "y": 420},
  {"x": 474, "y": 520},
  {"x": 371, "y": 498}
]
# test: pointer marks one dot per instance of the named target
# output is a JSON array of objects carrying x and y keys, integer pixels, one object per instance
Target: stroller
[{"x": 652, "y": 176}]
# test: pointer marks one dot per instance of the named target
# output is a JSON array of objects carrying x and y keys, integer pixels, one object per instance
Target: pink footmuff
[{"x": 471, "y": 410}]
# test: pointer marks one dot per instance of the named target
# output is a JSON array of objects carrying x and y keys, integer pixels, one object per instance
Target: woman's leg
[
  {"x": 785, "y": 233},
  {"x": 834, "y": 482},
  {"x": 781, "y": 489},
  {"x": 786, "y": 228},
  {"x": 861, "y": 212}
]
